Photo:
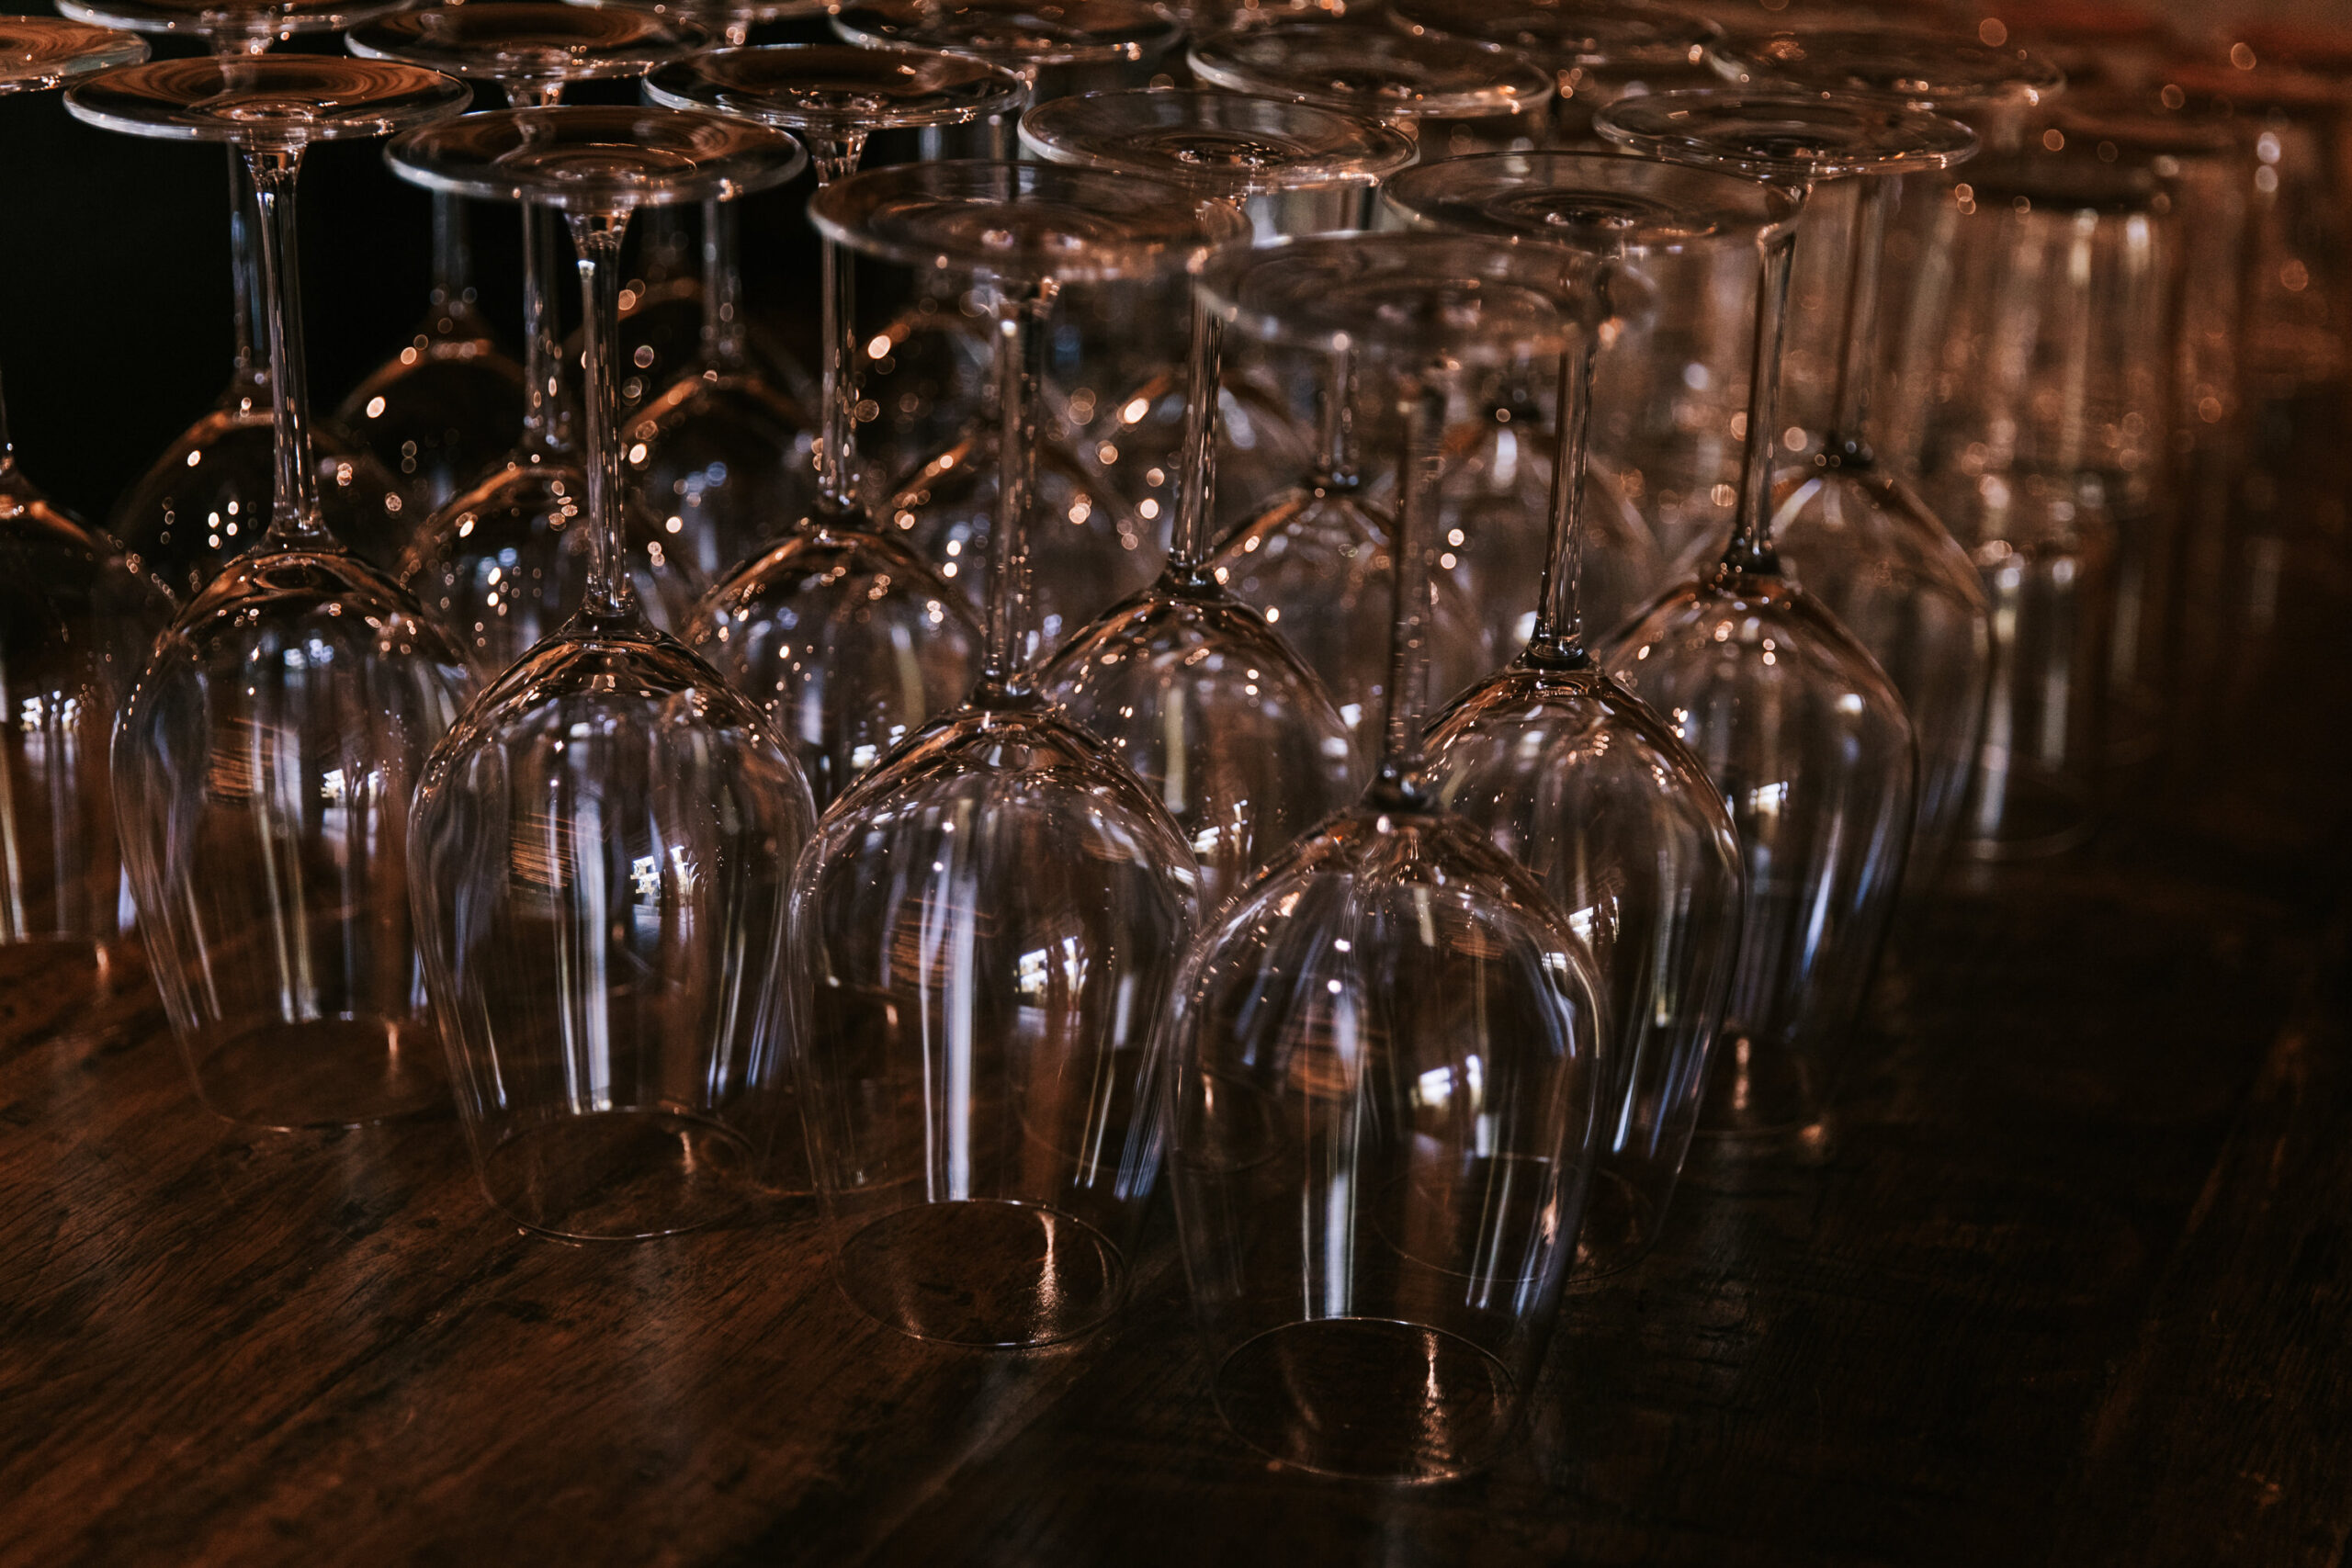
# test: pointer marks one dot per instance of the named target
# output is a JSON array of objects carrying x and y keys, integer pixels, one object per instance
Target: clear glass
[
  {"x": 986, "y": 931},
  {"x": 507, "y": 560},
  {"x": 75, "y": 624},
  {"x": 844, "y": 636},
  {"x": 446, "y": 405},
  {"x": 1194, "y": 690},
  {"x": 1091, "y": 545},
  {"x": 264, "y": 762},
  {"x": 2048, "y": 449},
  {"x": 1568, "y": 773},
  {"x": 206, "y": 498},
  {"x": 1598, "y": 51},
  {"x": 1385, "y": 1056},
  {"x": 1794, "y": 722},
  {"x": 604, "y": 838},
  {"x": 1452, "y": 97}
]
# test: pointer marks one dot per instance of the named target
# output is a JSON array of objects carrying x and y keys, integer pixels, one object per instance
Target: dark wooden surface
[{"x": 2073, "y": 1286}]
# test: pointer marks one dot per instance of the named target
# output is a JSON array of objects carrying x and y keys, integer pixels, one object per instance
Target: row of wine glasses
[{"x": 947, "y": 846}]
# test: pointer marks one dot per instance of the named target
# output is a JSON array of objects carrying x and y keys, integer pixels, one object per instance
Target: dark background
[{"x": 116, "y": 333}]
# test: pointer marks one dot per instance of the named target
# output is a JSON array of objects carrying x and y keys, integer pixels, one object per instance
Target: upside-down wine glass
[
  {"x": 604, "y": 838},
  {"x": 1385, "y": 1057},
  {"x": 1579, "y": 782},
  {"x": 1795, "y": 723},
  {"x": 1849, "y": 520},
  {"x": 507, "y": 559},
  {"x": 1446, "y": 97},
  {"x": 442, "y": 407},
  {"x": 263, "y": 763},
  {"x": 986, "y": 928},
  {"x": 74, "y": 625},
  {"x": 721, "y": 447},
  {"x": 206, "y": 498},
  {"x": 1089, "y": 546},
  {"x": 846, "y": 639},
  {"x": 1192, "y": 689},
  {"x": 1598, "y": 51},
  {"x": 1316, "y": 558}
]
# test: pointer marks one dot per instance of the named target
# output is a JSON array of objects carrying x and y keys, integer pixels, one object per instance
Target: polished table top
[{"x": 2074, "y": 1284}]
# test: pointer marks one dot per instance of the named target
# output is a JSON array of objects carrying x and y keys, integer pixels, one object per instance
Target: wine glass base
[
  {"x": 1367, "y": 1399},
  {"x": 345, "y": 1070},
  {"x": 2020, "y": 815},
  {"x": 1762, "y": 1092},
  {"x": 1620, "y": 1226},
  {"x": 986, "y": 1272},
  {"x": 622, "y": 1175}
]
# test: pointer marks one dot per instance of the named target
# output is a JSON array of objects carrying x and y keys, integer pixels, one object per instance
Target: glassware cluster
[{"x": 1471, "y": 557}]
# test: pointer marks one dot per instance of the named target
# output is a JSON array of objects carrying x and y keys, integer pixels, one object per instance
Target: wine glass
[
  {"x": 1089, "y": 546},
  {"x": 1315, "y": 558},
  {"x": 74, "y": 625},
  {"x": 506, "y": 560},
  {"x": 987, "y": 926},
  {"x": 1384, "y": 1056},
  {"x": 1579, "y": 782},
  {"x": 1192, "y": 689},
  {"x": 603, "y": 838},
  {"x": 1798, "y": 726},
  {"x": 263, "y": 763},
  {"x": 1850, "y": 522},
  {"x": 443, "y": 407},
  {"x": 1598, "y": 51},
  {"x": 206, "y": 498},
  {"x": 846, "y": 639},
  {"x": 721, "y": 447}
]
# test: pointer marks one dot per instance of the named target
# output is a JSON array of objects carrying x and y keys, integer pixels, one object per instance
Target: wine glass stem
[
  {"x": 453, "y": 267},
  {"x": 543, "y": 424},
  {"x": 1190, "y": 543},
  {"x": 1020, "y": 310},
  {"x": 837, "y": 158},
  {"x": 1338, "y": 458},
  {"x": 1860, "y": 327},
  {"x": 294, "y": 521},
  {"x": 596, "y": 238},
  {"x": 1559, "y": 622},
  {"x": 1751, "y": 537},
  {"x": 1403, "y": 781},
  {"x": 722, "y": 288},
  {"x": 235, "y": 40},
  {"x": 243, "y": 274}
]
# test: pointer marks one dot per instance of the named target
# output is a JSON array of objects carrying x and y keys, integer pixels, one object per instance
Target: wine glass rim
[
  {"x": 265, "y": 99},
  {"x": 1267, "y": 143},
  {"x": 1787, "y": 136},
  {"x": 41, "y": 52},
  {"x": 1032, "y": 33},
  {"x": 1598, "y": 34},
  {"x": 529, "y": 39},
  {"x": 597, "y": 158},
  {"x": 1602, "y": 202},
  {"x": 212, "y": 19},
  {"x": 1374, "y": 70},
  {"x": 717, "y": 15},
  {"x": 1933, "y": 70},
  {"x": 937, "y": 212},
  {"x": 758, "y": 82},
  {"x": 1310, "y": 292}
]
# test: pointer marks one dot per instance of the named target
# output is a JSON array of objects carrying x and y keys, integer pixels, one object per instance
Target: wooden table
[{"x": 2074, "y": 1286}]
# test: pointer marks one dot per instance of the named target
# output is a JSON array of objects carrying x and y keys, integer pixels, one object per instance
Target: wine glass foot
[
  {"x": 344, "y": 1070},
  {"x": 1620, "y": 1224},
  {"x": 620, "y": 1175},
  {"x": 985, "y": 1273},
  {"x": 1367, "y": 1399},
  {"x": 1761, "y": 1094}
]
